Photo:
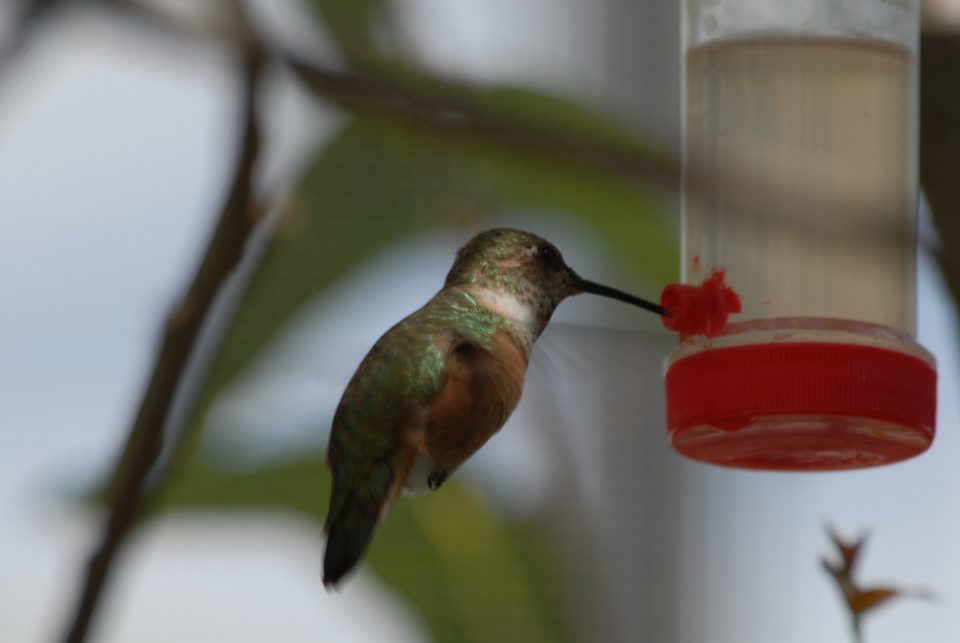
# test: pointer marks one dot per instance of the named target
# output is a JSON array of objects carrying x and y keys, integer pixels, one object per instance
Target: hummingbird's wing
[{"x": 368, "y": 454}]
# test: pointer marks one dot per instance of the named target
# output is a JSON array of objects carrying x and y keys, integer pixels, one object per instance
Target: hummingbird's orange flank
[{"x": 437, "y": 385}]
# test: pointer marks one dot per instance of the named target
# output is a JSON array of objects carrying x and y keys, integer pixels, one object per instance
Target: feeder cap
[{"x": 801, "y": 406}]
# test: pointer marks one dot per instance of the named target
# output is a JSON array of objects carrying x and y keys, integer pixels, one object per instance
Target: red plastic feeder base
[{"x": 804, "y": 406}]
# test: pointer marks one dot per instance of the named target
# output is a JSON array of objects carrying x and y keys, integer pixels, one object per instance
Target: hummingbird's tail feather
[
  {"x": 349, "y": 531},
  {"x": 353, "y": 516}
]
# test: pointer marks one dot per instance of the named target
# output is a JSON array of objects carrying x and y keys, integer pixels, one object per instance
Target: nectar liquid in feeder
[{"x": 800, "y": 184}]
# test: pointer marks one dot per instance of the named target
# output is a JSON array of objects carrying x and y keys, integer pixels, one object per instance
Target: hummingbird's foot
[{"x": 436, "y": 479}]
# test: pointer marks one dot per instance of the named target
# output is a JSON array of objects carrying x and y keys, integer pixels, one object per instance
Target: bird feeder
[{"x": 800, "y": 194}]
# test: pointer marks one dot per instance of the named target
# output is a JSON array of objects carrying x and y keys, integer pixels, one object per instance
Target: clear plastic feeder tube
[{"x": 800, "y": 180}]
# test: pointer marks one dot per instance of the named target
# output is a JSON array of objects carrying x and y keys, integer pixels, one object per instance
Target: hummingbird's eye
[{"x": 547, "y": 254}]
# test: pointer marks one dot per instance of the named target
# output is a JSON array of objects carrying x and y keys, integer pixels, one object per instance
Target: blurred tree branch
[
  {"x": 452, "y": 107},
  {"x": 129, "y": 493}
]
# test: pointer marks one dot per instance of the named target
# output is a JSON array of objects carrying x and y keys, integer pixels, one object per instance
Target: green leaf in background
[{"x": 469, "y": 573}]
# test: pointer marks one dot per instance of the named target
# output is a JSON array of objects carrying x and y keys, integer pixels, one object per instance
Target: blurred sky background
[{"x": 111, "y": 161}]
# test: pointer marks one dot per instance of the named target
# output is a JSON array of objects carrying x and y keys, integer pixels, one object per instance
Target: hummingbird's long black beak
[{"x": 606, "y": 291}]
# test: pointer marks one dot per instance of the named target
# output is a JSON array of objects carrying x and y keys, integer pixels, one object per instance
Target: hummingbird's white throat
[{"x": 506, "y": 305}]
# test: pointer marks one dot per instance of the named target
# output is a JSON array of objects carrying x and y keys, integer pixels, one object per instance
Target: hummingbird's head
[{"x": 523, "y": 277}]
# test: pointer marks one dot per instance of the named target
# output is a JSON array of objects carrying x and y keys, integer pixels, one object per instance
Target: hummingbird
[{"x": 437, "y": 385}]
